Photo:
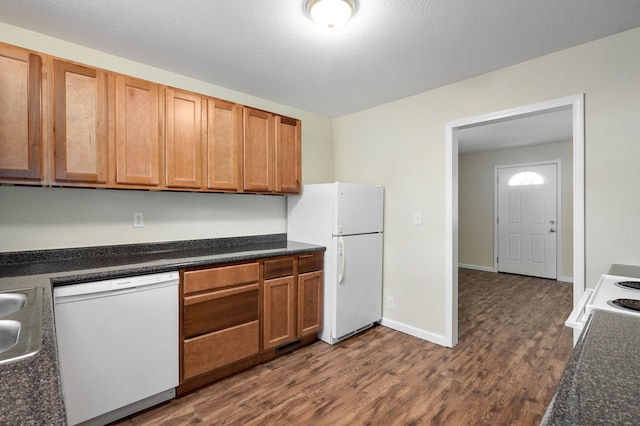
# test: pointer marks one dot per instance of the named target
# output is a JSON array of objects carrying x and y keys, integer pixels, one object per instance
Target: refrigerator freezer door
[
  {"x": 358, "y": 297},
  {"x": 359, "y": 209}
]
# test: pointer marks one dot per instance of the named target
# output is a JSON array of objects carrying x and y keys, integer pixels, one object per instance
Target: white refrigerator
[{"x": 347, "y": 219}]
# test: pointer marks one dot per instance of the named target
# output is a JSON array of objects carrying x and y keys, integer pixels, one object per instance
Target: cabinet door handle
[{"x": 343, "y": 255}]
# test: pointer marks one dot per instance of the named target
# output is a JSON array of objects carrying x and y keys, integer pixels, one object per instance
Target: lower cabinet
[
  {"x": 279, "y": 303},
  {"x": 292, "y": 302},
  {"x": 220, "y": 317},
  {"x": 239, "y": 315},
  {"x": 309, "y": 303}
]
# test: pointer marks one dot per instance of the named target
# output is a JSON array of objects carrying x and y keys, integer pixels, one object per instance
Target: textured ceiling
[
  {"x": 270, "y": 49},
  {"x": 539, "y": 128}
]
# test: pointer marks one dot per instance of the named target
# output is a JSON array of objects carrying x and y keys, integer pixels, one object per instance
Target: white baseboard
[
  {"x": 490, "y": 269},
  {"x": 476, "y": 267},
  {"x": 413, "y": 331}
]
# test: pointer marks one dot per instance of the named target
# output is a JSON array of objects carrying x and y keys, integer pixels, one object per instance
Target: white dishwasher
[{"x": 117, "y": 345}]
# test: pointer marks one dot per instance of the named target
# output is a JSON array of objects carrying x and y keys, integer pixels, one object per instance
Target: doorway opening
[{"x": 574, "y": 103}]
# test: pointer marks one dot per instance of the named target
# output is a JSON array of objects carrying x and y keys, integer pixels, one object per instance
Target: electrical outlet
[
  {"x": 138, "y": 220},
  {"x": 389, "y": 302}
]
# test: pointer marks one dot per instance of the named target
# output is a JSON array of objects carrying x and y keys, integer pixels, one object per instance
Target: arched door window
[{"x": 526, "y": 178}]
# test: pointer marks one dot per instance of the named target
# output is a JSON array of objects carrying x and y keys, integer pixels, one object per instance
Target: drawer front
[
  {"x": 310, "y": 263},
  {"x": 276, "y": 268},
  {"x": 210, "y": 351},
  {"x": 209, "y": 312},
  {"x": 219, "y": 277}
]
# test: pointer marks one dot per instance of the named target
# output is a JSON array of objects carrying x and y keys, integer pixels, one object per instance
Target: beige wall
[
  {"x": 402, "y": 146},
  {"x": 476, "y": 201},
  {"x": 43, "y": 218}
]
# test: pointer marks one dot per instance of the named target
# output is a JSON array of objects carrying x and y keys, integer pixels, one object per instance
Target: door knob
[{"x": 552, "y": 230}]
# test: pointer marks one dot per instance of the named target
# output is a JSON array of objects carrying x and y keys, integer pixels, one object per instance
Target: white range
[{"x": 613, "y": 293}]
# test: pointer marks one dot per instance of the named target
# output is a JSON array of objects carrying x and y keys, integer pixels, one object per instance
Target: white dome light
[{"x": 331, "y": 14}]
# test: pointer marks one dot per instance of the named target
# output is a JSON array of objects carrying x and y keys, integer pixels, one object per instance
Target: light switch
[{"x": 417, "y": 217}]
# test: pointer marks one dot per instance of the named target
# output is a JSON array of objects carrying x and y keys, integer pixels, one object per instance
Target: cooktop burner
[
  {"x": 633, "y": 304},
  {"x": 634, "y": 285}
]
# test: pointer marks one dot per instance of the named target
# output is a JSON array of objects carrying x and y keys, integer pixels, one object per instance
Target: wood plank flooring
[{"x": 513, "y": 347}]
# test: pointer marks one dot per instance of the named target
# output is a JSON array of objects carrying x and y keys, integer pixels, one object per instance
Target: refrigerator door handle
[{"x": 342, "y": 254}]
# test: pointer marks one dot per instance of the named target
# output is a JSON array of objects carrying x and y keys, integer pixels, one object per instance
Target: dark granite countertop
[
  {"x": 601, "y": 384},
  {"x": 30, "y": 392}
]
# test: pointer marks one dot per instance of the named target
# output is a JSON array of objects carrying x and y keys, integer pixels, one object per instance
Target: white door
[
  {"x": 358, "y": 283},
  {"x": 527, "y": 220}
]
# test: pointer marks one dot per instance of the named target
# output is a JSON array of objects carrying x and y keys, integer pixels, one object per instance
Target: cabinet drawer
[
  {"x": 276, "y": 268},
  {"x": 310, "y": 262},
  {"x": 208, "y": 312},
  {"x": 219, "y": 277},
  {"x": 210, "y": 351}
]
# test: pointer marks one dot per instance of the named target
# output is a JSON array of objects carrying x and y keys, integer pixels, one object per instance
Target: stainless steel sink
[
  {"x": 20, "y": 323},
  {"x": 9, "y": 333},
  {"x": 12, "y": 302}
]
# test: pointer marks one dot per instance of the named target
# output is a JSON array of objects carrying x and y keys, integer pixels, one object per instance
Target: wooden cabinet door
[
  {"x": 279, "y": 312},
  {"x": 137, "y": 125},
  {"x": 183, "y": 140},
  {"x": 258, "y": 152},
  {"x": 288, "y": 155},
  {"x": 224, "y": 137},
  {"x": 20, "y": 114},
  {"x": 80, "y": 117},
  {"x": 309, "y": 303}
]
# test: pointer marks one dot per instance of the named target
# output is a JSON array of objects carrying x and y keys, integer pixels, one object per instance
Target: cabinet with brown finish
[
  {"x": 220, "y": 317},
  {"x": 258, "y": 150},
  {"x": 20, "y": 115},
  {"x": 288, "y": 155},
  {"x": 292, "y": 303},
  {"x": 80, "y": 117},
  {"x": 202, "y": 143},
  {"x": 234, "y": 316},
  {"x": 279, "y": 304},
  {"x": 310, "y": 286},
  {"x": 183, "y": 140},
  {"x": 137, "y": 125},
  {"x": 224, "y": 145},
  {"x": 98, "y": 128}
]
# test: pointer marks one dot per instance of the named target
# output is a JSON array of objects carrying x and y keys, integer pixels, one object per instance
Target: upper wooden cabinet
[
  {"x": 203, "y": 137},
  {"x": 183, "y": 144},
  {"x": 20, "y": 114},
  {"x": 67, "y": 124},
  {"x": 224, "y": 145},
  {"x": 137, "y": 132},
  {"x": 258, "y": 150},
  {"x": 288, "y": 155},
  {"x": 272, "y": 153},
  {"x": 80, "y": 118}
]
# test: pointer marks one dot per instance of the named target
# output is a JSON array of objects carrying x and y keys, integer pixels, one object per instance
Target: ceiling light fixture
[{"x": 331, "y": 14}]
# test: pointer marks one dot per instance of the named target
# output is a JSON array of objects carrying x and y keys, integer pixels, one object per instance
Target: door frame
[
  {"x": 576, "y": 103},
  {"x": 558, "y": 225}
]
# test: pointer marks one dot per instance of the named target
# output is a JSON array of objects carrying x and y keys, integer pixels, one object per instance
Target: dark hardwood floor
[{"x": 513, "y": 347}]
